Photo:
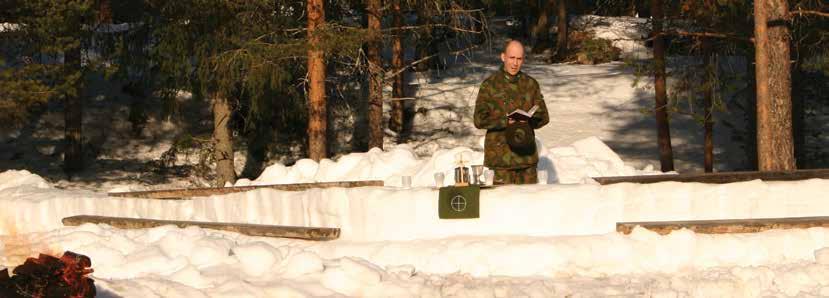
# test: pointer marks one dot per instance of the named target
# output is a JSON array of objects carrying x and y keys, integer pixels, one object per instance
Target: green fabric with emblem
[{"x": 459, "y": 202}]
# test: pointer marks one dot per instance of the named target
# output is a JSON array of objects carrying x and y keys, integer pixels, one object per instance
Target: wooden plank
[
  {"x": 306, "y": 233},
  {"x": 727, "y": 226},
  {"x": 181, "y": 193},
  {"x": 721, "y": 177}
]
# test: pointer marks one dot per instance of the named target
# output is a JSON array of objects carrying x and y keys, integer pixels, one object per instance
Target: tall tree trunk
[
  {"x": 712, "y": 66},
  {"x": 317, "y": 124},
  {"x": 666, "y": 155},
  {"x": 397, "y": 104},
  {"x": 630, "y": 9},
  {"x": 375, "y": 84},
  {"x": 529, "y": 18},
  {"x": 73, "y": 117},
  {"x": 709, "y": 133},
  {"x": 222, "y": 139},
  {"x": 799, "y": 115},
  {"x": 750, "y": 133},
  {"x": 424, "y": 38},
  {"x": 562, "y": 32},
  {"x": 104, "y": 12},
  {"x": 775, "y": 150},
  {"x": 540, "y": 32},
  {"x": 642, "y": 9}
]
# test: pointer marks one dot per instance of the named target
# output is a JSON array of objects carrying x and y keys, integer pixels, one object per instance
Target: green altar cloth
[{"x": 459, "y": 202}]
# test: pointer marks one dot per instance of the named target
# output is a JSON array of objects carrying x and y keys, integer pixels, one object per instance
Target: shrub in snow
[
  {"x": 597, "y": 51},
  {"x": 627, "y": 34}
]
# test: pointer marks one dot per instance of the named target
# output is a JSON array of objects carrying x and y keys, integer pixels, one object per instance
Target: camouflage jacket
[{"x": 500, "y": 94}]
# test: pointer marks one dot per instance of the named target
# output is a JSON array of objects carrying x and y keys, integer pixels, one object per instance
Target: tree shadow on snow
[
  {"x": 113, "y": 152},
  {"x": 635, "y": 139}
]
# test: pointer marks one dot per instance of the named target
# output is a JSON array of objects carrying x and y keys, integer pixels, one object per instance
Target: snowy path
[{"x": 583, "y": 100}]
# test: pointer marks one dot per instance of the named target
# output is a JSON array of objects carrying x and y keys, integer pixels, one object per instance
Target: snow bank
[
  {"x": 192, "y": 262},
  {"x": 576, "y": 163},
  {"x": 395, "y": 214},
  {"x": 21, "y": 179},
  {"x": 584, "y": 159}
]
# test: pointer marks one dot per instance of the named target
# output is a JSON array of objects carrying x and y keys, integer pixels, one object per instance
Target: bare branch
[
  {"x": 401, "y": 98},
  {"x": 431, "y": 26},
  {"x": 703, "y": 34},
  {"x": 808, "y": 12},
  {"x": 391, "y": 75},
  {"x": 464, "y": 10}
]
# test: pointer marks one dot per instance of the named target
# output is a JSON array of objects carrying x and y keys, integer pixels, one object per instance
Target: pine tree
[
  {"x": 226, "y": 50},
  {"x": 20, "y": 90},
  {"x": 810, "y": 90},
  {"x": 317, "y": 122},
  {"x": 540, "y": 33},
  {"x": 397, "y": 105},
  {"x": 775, "y": 149},
  {"x": 712, "y": 65},
  {"x": 375, "y": 72},
  {"x": 664, "y": 134},
  {"x": 47, "y": 31},
  {"x": 562, "y": 32},
  {"x": 254, "y": 54}
]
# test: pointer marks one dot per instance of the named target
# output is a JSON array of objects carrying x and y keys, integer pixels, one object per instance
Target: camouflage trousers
[{"x": 516, "y": 176}]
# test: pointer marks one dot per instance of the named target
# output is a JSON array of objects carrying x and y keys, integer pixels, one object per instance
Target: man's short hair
[{"x": 508, "y": 42}]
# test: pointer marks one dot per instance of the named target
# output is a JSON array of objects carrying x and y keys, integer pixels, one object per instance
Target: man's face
[{"x": 513, "y": 58}]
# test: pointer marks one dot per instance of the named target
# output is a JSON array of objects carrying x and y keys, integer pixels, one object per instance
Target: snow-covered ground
[
  {"x": 555, "y": 239},
  {"x": 548, "y": 240}
]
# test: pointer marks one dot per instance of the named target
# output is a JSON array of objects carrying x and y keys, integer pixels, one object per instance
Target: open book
[{"x": 522, "y": 115}]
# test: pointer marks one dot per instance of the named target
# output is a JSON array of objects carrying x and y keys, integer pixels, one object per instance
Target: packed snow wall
[{"x": 393, "y": 213}]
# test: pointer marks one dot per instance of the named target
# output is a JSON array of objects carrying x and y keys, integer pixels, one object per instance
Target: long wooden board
[
  {"x": 727, "y": 226},
  {"x": 307, "y": 233},
  {"x": 721, "y": 177},
  {"x": 183, "y": 193}
]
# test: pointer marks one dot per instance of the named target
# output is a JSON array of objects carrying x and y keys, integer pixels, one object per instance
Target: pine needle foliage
[
  {"x": 244, "y": 49},
  {"x": 35, "y": 46}
]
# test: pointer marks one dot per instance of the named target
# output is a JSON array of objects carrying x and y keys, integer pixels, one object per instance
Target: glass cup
[
  {"x": 439, "y": 179},
  {"x": 489, "y": 176},
  {"x": 477, "y": 172}
]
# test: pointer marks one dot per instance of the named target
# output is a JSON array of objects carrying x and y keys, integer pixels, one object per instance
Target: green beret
[{"x": 521, "y": 138}]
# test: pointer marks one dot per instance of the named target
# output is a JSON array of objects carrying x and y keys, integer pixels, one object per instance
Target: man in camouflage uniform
[{"x": 501, "y": 93}]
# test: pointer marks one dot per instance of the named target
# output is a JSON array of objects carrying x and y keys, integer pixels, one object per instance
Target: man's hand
[{"x": 511, "y": 121}]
